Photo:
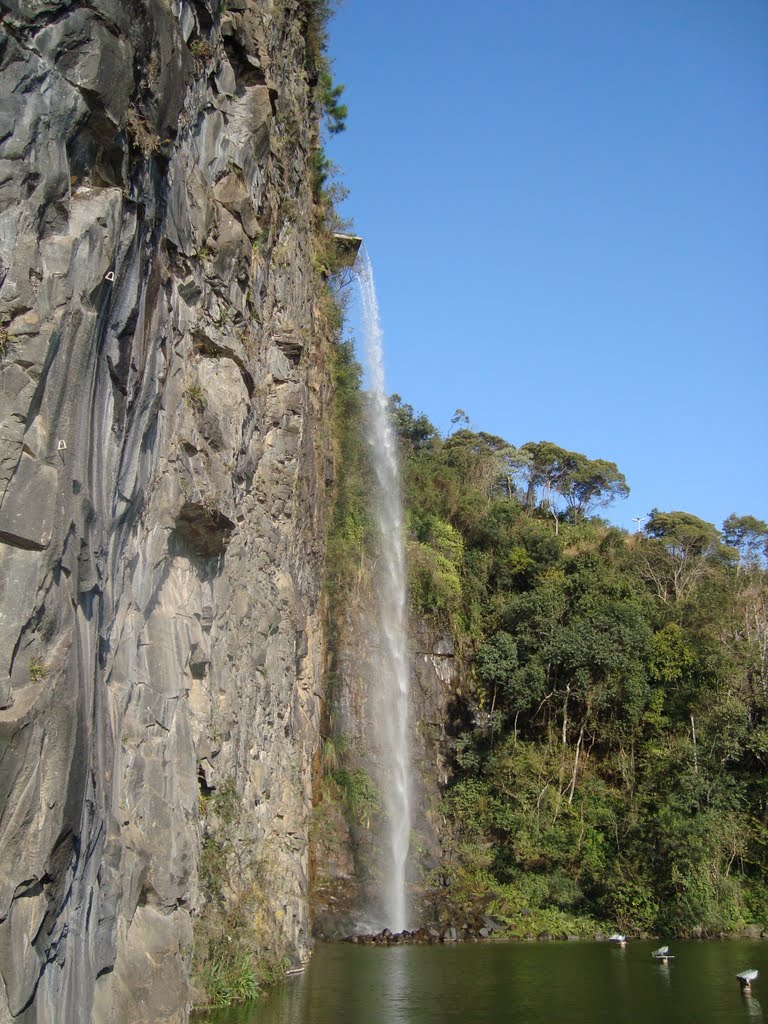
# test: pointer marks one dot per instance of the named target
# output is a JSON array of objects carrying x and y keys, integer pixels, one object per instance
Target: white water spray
[{"x": 390, "y": 696}]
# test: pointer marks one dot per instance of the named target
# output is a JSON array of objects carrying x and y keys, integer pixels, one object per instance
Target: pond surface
[{"x": 519, "y": 983}]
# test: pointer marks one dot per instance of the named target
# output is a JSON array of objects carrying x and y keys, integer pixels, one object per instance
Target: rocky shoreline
[
  {"x": 487, "y": 929},
  {"x": 478, "y": 931}
]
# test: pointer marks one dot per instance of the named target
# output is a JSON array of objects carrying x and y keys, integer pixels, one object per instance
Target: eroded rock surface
[
  {"x": 161, "y": 514},
  {"x": 351, "y": 838}
]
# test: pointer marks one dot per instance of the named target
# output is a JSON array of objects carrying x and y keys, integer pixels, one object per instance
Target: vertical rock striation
[{"x": 161, "y": 489}]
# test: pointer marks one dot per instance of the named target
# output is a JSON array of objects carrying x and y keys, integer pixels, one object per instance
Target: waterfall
[{"x": 389, "y": 699}]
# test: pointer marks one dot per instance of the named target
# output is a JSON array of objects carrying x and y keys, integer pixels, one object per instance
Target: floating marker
[
  {"x": 109, "y": 276},
  {"x": 61, "y": 446},
  {"x": 747, "y": 977}
]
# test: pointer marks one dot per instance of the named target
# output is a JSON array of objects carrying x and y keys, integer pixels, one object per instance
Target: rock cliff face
[
  {"x": 162, "y": 469},
  {"x": 351, "y": 832}
]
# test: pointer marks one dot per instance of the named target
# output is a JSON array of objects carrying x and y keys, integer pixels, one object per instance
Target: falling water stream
[{"x": 390, "y": 685}]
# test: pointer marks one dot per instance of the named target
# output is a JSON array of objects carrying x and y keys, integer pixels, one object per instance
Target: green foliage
[
  {"x": 194, "y": 396},
  {"x": 584, "y": 484},
  {"x": 329, "y": 756},
  {"x": 632, "y": 905},
  {"x": 235, "y": 955},
  {"x": 682, "y": 533},
  {"x": 359, "y": 793},
  {"x": 233, "y": 971},
  {"x": 143, "y": 136},
  {"x": 346, "y": 789},
  {"x": 434, "y": 570},
  {"x": 498, "y": 666},
  {"x": 212, "y": 867},
  {"x": 533, "y": 905},
  {"x": 226, "y": 802},
  {"x": 37, "y": 670},
  {"x": 330, "y": 260},
  {"x": 224, "y": 807},
  {"x": 201, "y": 49},
  {"x": 229, "y": 974},
  {"x": 613, "y": 763},
  {"x": 334, "y": 111},
  {"x": 415, "y": 431},
  {"x": 671, "y": 660},
  {"x": 329, "y": 110},
  {"x": 749, "y": 536},
  {"x": 316, "y": 15},
  {"x": 321, "y": 169},
  {"x": 5, "y": 338},
  {"x": 680, "y": 553},
  {"x": 352, "y": 528}
]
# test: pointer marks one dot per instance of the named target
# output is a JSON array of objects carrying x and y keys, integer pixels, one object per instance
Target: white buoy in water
[
  {"x": 662, "y": 953},
  {"x": 747, "y": 977}
]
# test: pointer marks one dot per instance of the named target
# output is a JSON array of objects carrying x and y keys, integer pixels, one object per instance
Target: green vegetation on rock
[{"x": 236, "y": 954}]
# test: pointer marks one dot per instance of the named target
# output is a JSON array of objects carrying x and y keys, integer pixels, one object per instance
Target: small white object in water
[{"x": 747, "y": 977}]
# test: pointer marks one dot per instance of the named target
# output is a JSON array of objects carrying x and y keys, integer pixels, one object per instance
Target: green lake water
[{"x": 518, "y": 983}]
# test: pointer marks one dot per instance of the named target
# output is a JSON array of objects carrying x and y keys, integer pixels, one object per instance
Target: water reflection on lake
[{"x": 522, "y": 983}]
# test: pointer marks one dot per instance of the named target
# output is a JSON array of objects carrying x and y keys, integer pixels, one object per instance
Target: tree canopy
[
  {"x": 749, "y": 536},
  {"x": 611, "y": 752},
  {"x": 583, "y": 484},
  {"x": 610, "y": 730}
]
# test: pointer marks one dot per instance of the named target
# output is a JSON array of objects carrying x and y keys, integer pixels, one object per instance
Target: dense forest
[{"x": 610, "y": 736}]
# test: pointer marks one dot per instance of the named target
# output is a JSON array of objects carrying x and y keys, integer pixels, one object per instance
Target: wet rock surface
[
  {"x": 161, "y": 488},
  {"x": 475, "y": 931},
  {"x": 346, "y": 886}
]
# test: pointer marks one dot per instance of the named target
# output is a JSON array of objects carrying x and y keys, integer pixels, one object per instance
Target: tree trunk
[{"x": 576, "y": 765}]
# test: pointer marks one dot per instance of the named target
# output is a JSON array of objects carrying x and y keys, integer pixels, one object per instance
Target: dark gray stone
[
  {"x": 91, "y": 58},
  {"x": 29, "y": 505},
  {"x": 137, "y": 560}
]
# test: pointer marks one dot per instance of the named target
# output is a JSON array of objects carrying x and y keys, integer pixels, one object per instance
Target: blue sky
[{"x": 566, "y": 206}]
